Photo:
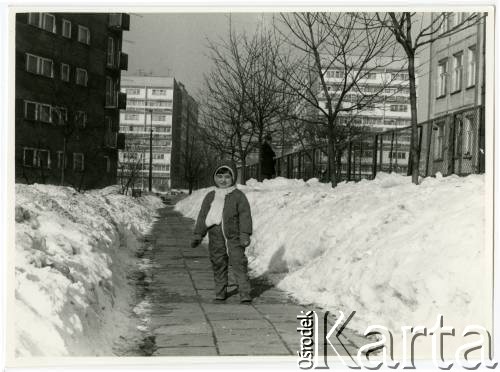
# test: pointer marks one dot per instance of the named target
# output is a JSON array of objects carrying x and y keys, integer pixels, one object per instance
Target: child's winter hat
[{"x": 229, "y": 165}]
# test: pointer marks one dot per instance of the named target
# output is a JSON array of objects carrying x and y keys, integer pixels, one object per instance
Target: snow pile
[
  {"x": 73, "y": 251},
  {"x": 396, "y": 253}
]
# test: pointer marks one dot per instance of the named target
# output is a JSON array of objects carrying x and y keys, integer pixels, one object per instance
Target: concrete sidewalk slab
[{"x": 183, "y": 319}]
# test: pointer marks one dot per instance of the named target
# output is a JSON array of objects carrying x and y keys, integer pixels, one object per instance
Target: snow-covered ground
[
  {"x": 396, "y": 253},
  {"x": 73, "y": 253}
]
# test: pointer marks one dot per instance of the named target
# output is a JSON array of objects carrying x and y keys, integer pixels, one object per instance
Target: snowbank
[
  {"x": 396, "y": 253},
  {"x": 73, "y": 253}
]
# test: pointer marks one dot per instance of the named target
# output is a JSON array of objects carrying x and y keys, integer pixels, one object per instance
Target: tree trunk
[
  {"x": 259, "y": 168},
  {"x": 331, "y": 154},
  {"x": 243, "y": 170},
  {"x": 414, "y": 150}
]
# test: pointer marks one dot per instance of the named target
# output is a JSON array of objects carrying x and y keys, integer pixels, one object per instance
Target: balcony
[
  {"x": 122, "y": 101},
  {"x": 110, "y": 140},
  {"x": 123, "y": 61},
  {"x": 119, "y": 21},
  {"x": 120, "y": 141}
]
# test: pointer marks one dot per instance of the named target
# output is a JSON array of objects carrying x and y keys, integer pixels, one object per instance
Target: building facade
[
  {"x": 386, "y": 89},
  {"x": 455, "y": 98},
  {"x": 68, "y": 68},
  {"x": 158, "y": 116}
]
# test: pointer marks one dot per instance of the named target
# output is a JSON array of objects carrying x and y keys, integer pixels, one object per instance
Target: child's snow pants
[{"x": 220, "y": 258}]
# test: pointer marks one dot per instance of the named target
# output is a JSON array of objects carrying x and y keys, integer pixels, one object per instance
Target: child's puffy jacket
[{"x": 236, "y": 215}]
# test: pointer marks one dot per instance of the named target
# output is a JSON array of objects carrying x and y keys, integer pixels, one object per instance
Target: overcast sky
[{"x": 175, "y": 44}]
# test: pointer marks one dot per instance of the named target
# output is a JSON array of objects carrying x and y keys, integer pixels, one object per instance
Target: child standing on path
[{"x": 225, "y": 215}]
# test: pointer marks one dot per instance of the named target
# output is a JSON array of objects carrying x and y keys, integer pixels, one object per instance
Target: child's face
[{"x": 223, "y": 180}]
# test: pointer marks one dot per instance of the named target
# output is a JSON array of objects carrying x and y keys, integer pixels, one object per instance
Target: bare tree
[
  {"x": 268, "y": 98},
  {"x": 245, "y": 98},
  {"x": 413, "y": 31},
  {"x": 129, "y": 169},
  {"x": 344, "y": 43},
  {"x": 224, "y": 116}
]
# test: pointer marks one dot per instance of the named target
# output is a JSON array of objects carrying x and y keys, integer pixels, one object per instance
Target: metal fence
[{"x": 452, "y": 143}]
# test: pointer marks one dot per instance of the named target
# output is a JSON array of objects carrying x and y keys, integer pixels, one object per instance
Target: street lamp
[{"x": 150, "y": 150}]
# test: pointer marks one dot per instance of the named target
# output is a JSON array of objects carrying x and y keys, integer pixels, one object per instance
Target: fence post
[
  {"x": 381, "y": 151},
  {"x": 481, "y": 150},
  {"x": 390, "y": 152},
  {"x": 374, "y": 161},
  {"x": 451, "y": 147},
  {"x": 288, "y": 166},
  {"x": 430, "y": 129},
  {"x": 313, "y": 163},
  {"x": 349, "y": 163},
  {"x": 299, "y": 156},
  {"x": 419, "y": 146}
]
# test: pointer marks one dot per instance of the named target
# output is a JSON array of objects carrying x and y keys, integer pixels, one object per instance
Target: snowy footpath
[
  {"x": 74, "y": 256},
  {"x": 396, "y": 253}
]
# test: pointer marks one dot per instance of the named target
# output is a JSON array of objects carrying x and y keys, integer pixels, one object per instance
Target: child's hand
[
  {"x": 195, "y": 242},
  {"x": 244, "y": 240}
]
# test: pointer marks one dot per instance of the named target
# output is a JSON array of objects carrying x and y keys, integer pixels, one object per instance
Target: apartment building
[
  {"x": 159, "y": 112},
  {"x": 68, "y": 68},
  {"x": 385, "y": 96},
  {"x": 455, "y": 100}
]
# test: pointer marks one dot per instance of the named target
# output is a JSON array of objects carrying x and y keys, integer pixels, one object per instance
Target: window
[
  {"x": 439, "y": 141},
  {"x": 42, "y": 158},
  {"x": 135, "y": 102},
  {"x": 107, "y": 163},
  {"x": 28, "y": 156},
  {"x": 66, "y": 28},
  {"x": 371, "y": 75},
  {"x": 399, "y": 108},
  {"x": 61, "y": 160},
  {"x": 80, "y": 119},
  {"x": 83, "y": 35},
  {"x": 81, "y": 77},
  {"x": 442, "y": 78},
  {"x": 131, "y": 117},
  {"x": 131, "y": 128},
  {"x": 471, "y": 66},
  {"x": 457, "y": 72},
  {"x": 370, "y": 107},
  {"x": 110, "y": 94},
  {"x": 157, "y": 103},
  {"x": 451, "y": 20},
  {"x": 111, "y": 52},
  {"x": 78, "y": 162},
  {"x": 44, "y": 21},
  {"x": 49, "y": 23},
  {"x": 39, "y": 65},
  {"x": 34, "y": 19},
  {"x": 64, "y": 72},
  {"x": 157, "y": 117},
  {"x": 467, "y": 137},
  {"x": 132, "y": 91},
  {"x": 442, "y": 22},
  {"x": 159, "y": 92},
  {"x": 59, "y": 115},
  {"x": 397, "y": 155},
  {"x": 44, "y": 113},
  {"x": 30, "y": 110},
  {"x": 32, "y": 63}
]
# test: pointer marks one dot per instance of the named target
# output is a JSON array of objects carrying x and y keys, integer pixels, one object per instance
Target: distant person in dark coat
[{"x": 267, "y": 160}]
